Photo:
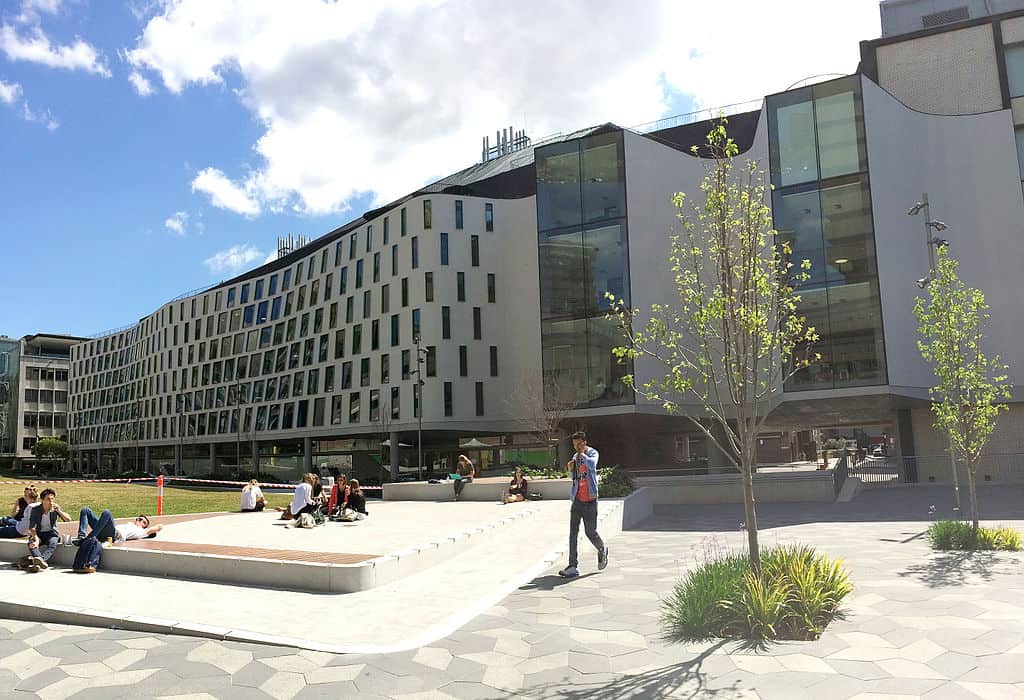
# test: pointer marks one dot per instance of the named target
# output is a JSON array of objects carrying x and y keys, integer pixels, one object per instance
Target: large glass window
[
  {"x": 822, "y": 207},
  {"x": 581, "y": 212}
]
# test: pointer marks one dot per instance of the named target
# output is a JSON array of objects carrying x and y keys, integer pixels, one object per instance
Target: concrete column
[
  {"x": 254, "y": 446},
  {"x": 99, "y": 460},
  {"x": 145, "y": 458},
  {"x": 716, "y": 457},
  {"x": 393, "y": 439},
  {"x": 120, "y": 460},
  {"x": 179, "y": 460},
  {"x": 307, "y": 455},
  {"x": 213, "y": 456}
]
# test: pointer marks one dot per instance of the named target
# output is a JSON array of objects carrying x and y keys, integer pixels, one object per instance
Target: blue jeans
[
  {"x": 9, "y": 532},
  {"x": 102, "y": 527},
  {"x": 8, "y": 520},
  {"x": 585, "y": 511},
  {"x": 50, "y": 539}
]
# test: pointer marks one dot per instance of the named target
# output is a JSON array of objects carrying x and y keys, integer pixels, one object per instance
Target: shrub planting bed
[
  {"x": 796, "y": 596},
  {"x": 957, "y": 534}
]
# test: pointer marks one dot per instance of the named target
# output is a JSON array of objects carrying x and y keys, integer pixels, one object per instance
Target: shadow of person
[{"x": 551, "y": 582}]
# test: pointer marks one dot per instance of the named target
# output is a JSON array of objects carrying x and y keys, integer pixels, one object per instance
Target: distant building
[
  {"x": 501, "y": 270},
  {"x": 33, "y": 392}
]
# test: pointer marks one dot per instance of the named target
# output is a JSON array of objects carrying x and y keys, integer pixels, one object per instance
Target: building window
[
  {"x": 349, "y": 308},
  {"x": 474, "y": 250},
  {"x": 479, "y": 398},
  {"x": 244, "y": 296},
  {"x": 405, "y": 364},
  {"x": 1015, "y": 70},
  {"x": 403, "y": 221},
  {"x": 369, "y": 237},
  {"x": 357, "y": 338},
  {"x": 343, "y": 283},
  {"x": 446, "y": 322},
  {"x": 271, "y": 290},
  {"x": 427, "y": 217},
  {"x": 374, "y": 405},
  {"x": 231, "y": 297},
  {"x": 396, "y": 410},
  {"x": 444, "y": 248},
  {"x": 352, "y": 246},
  {"x": 367, "y": 303},
  {"x": 458, "y": 213},
  {"x": 386, "y": 222},
  {"x": 353, "y": 408},
  {"x": 428, "y": 286},
  {"x": 1019, "y": 135},
  {"x": 394, "y": 330},
  {"x": 477, "y": 331},
  {"x": 491, "y": 291},
  {"x": 385, "y": 369},
  {"x": 494, "y": 360},
  {"x": 346, "y": 375},
  {"x": 463, "y": 361},
  {"x": 415, "y": 323},
  {"x": 385, "y": 299},
  {"x": 359, "y": 274},
  {"x": 460, "y": 278},
  {"x": 337, "y": 254},
  {"x": 415, "y": 244},
  {"x": 431, "y": 361},
  {"x": 394, "y": 260},
  {"x": 488, "y": 217},
  {"x": 822, "y": 208},
  {"x": 405, "y": 292},
  {"x": 364, "y": 372},
  {"x": 376, "y": 267},
  {"x": 447, "y": 399},
  {"x": 375, "y": 334}
]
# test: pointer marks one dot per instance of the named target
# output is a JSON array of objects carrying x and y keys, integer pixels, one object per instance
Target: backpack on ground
[
  {"x": 87, "y": 560},
  {"x": 305, "y": 520}
]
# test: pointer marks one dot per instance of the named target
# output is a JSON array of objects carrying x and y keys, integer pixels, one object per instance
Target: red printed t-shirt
[{"x": 583, "y": 487}]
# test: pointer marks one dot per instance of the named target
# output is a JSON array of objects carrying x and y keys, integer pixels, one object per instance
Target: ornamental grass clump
[
  {"x": 960, "y": 535},
  {"x": 797, "y": 594}
]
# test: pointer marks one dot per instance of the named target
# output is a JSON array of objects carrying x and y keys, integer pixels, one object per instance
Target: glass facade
[
  {"x": 583, "y": 241},
  {"x": 822, "y": 207},
  {"x": 10, "y": 351}
]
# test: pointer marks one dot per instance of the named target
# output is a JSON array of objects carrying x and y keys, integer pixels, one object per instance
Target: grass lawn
[{"x": 128, "y": 500}]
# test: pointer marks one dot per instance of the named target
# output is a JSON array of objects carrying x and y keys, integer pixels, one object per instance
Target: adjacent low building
[{"x": 489, "y": 287}]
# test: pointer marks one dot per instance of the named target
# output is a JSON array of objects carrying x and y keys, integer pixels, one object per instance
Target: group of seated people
[
  {"x": 345, "y": 502},
  {"x": 35, "y": 515}
]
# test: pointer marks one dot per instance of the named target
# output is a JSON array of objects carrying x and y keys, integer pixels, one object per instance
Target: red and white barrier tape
[{"x": 166, "y": 478}]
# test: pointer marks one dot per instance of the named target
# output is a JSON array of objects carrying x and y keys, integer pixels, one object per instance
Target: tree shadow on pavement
[
  {"x": 682, "y": 680},
  {"x": 944, "y": 569}
]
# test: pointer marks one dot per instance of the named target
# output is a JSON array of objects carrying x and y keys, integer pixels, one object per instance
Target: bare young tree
[
  {"x": 733, "y": 334},
  {"x": 543, "y": 405}
]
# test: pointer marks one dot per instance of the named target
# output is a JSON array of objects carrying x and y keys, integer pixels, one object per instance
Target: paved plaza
[{"x": 919, "y": 624}]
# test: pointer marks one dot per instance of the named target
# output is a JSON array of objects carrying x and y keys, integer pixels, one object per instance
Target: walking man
[{"x": 583, "y": 468}]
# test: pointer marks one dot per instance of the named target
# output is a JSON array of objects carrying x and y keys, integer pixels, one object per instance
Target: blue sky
[{"x": 149, "y": 148}]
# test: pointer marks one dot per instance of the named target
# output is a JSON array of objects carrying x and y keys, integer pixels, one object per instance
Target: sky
[{"x": 153, "y": 147}]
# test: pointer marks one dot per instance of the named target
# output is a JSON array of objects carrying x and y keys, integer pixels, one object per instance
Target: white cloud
[
  {"x": 35, "y": 47},
  {"x": 224, "y": 193},
  {"x": 31, "y": 9},
  {"x": 9, "y": 92},
  {"x": 382, "y": 97},
  {"x": 176, "y": 222},
  {"x": 233, "y": 259},
  {"x": 141, "y": 85},
  {"x": 44, "y": 117}
]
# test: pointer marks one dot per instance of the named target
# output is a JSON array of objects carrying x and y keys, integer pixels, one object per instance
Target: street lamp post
[
  {"x": 420, "y": 352},
  {"x": 933, "y": 244},
  {"x": 238, "y": 426}
]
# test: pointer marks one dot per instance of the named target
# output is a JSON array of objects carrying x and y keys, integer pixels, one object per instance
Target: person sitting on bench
[
  {"x": 43, "y": 530},
  {"x": 465, "y": 473},
  {"x": 19, "y": 506},
  {"x": 103, "y": 528},
  {"x": 21, "y": 525}
]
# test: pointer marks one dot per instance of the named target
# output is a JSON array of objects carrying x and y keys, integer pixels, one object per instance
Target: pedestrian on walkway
[{"x": 583, "y": 467}]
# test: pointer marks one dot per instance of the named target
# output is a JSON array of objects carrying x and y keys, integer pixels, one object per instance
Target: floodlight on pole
[
  {"x": 937, "y": 225},
  {"x": 916, "y": 209},
  {"x": 923, "y": 282}
]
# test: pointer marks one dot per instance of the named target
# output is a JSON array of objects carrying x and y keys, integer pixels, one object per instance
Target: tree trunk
[
  {"x": 972, "y": 482},
  {"x": 751, "y": 522}
]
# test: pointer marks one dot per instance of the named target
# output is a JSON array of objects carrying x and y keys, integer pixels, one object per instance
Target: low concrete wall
[
  {"x": 550, "y": 489},
  {"x": 815, "y": 486}
]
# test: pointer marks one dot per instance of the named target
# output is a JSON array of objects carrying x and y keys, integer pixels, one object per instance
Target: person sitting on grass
[
  {"x": 339, "y": 495},
  {"x": 252, "y": 498},
  {"x": 302, "y": 499},
  {"x": 356, "y": 509},
  {"x": 103, "y": 528},
  {"x": 19, "y": 528},
  {"x": 43, "y": 531},
  {"x": 19, "y": 506},
  {"x": 516, "y": 487}
]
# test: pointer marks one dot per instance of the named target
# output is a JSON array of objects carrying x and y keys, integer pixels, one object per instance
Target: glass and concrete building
[
  {"x": 501, "y": 271},
  {"x": 33, "y": 392}
]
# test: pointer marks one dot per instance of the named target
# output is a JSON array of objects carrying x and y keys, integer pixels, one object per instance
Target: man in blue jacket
[{"x": 583, "y": 468}]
